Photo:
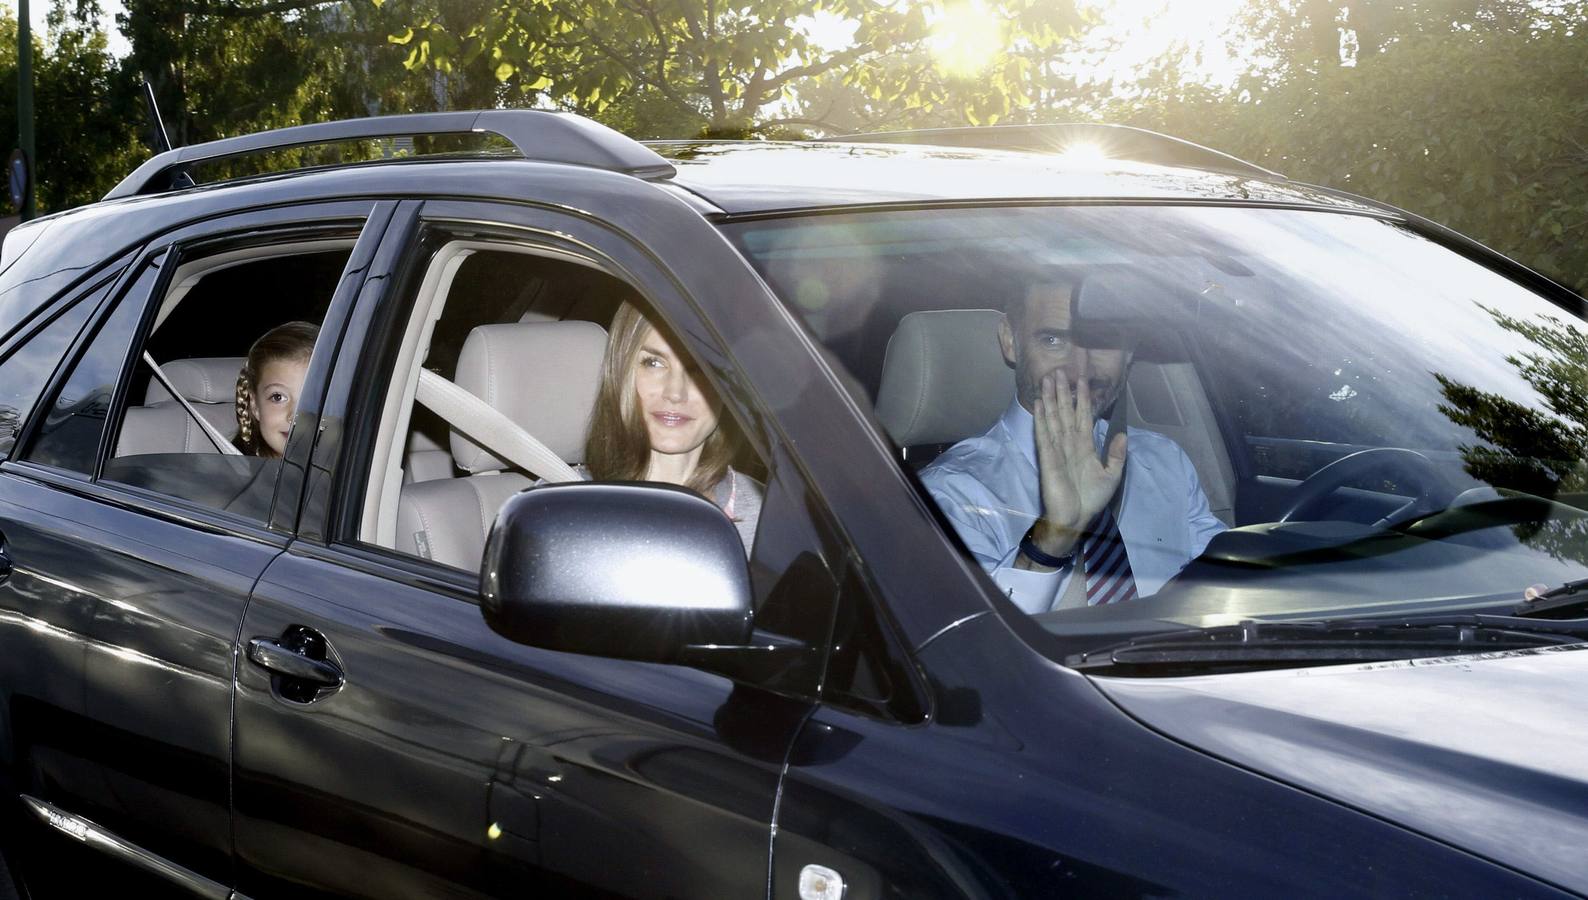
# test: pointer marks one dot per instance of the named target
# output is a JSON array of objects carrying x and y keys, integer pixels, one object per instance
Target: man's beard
[{"x": 1105, "y": 392}]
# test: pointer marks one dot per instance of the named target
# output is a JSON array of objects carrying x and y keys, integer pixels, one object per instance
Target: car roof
[
  {"x": 761, "y": 177},
  {"x": 722, "y": 179},
  {"x": 1002, "y": 163}
]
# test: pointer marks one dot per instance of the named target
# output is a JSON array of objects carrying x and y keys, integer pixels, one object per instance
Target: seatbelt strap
[
  {"x": 221, "y": 443},
  {"x": 480, "y": 422},
  {"x": 1116, "y": 419}
]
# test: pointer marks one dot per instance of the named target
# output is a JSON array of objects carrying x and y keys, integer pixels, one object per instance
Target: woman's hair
[
  {"x": 293, "y": 341},
  {"x": 619, "y": 447}
]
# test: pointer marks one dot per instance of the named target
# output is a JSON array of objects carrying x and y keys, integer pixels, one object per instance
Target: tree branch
[
  {"x": 635, "y": 73},
  {"x": 713, "y": 80},
  {"x": 237, "y": 11},
  {"x": 664, "y": 48},
  {"x": 755, "y": 86},
  {"x": 842, "y": 58}
]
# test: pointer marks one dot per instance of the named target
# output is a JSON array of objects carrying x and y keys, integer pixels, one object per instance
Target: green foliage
[
  {"x": 733, "y": 69},
  {"x": 1469, "y": 111},
  {"x": 1482, "y": 129},
  {"x": 226, "y": 68},
  {"x": 80, "y": 152},
  {"x": 1543, "y": 452}
]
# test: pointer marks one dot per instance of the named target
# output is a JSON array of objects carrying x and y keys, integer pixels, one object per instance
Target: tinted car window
[
  {"x": 24, "y": 372},
  {"x": 69, "y": 436}
]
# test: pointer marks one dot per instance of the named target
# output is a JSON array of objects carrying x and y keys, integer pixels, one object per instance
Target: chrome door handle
[{"x": 272, "y": 656}]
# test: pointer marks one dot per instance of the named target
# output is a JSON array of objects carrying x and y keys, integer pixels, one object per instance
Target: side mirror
[{"x": 633, "y": 571}]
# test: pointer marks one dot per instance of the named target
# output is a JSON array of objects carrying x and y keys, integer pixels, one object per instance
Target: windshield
[{"x": 1292, "y": 414}]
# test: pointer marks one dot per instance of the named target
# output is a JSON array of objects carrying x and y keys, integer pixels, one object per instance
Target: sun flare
[{"x": 966, "y": 39}]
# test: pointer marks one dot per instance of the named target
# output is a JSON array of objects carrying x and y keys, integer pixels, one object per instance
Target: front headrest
[
  {"x": 944, "y": 377},
  {"x": 212, "y": 380},
  {"x": 541, "y": 375}
]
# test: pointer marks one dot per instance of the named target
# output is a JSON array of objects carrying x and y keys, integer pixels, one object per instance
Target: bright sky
[
  {"x": 39, "y": 9},
  {"x": 1130, "y": 34},
  {"x": 1146, "y": 29}
]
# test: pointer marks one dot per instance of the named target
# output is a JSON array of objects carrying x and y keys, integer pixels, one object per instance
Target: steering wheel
[{"x": 1434, "y": 489}]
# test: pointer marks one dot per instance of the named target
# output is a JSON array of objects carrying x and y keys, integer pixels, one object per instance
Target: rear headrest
[
  {"x": 212, "y": 380},
  {"x": 542, "y": 375},
  {"x": 944, "y": 377}
]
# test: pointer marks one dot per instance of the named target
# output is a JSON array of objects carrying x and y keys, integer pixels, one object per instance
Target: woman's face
[
  {"x": 276, "y": 400},
  {"x": 679, "y": 413}
]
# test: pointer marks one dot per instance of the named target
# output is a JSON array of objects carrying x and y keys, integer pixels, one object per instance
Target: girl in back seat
[{"x": 268, "y": 387}]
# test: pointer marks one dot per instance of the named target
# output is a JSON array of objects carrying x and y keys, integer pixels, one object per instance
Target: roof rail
[
  {"x": 1116, "y": 141},
  {"x": 540, "y": 135}
]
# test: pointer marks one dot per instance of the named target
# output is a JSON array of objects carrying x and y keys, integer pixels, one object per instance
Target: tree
[
  {"x": 226, "y": 67},
  {"x": 724, "y": 67},
  {"x": 85, "y": 133},
  {"x": 1543, "y": 452},
  {"x": 1468, "y": 112}
]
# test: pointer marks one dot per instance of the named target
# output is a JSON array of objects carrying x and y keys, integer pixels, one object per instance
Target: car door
[
  {"x": 129, "y": 578},
  {"x": 436, "y": 757}
]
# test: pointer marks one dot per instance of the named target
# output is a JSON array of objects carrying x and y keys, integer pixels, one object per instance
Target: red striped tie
[{"x": 1108, "y": 578}]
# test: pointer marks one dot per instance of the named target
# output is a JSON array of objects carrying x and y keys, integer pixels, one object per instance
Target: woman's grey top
[{"x": 737, "y": 494}]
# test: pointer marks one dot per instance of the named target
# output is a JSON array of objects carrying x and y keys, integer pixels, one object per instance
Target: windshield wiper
[
  {"x": 1269, "y": 645},
  {"x": 1565, "y": 602}
]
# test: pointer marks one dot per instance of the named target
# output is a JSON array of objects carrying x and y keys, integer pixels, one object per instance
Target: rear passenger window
[
  {"x": 25, "y": 371},
  {"x": 191, "y": 419}
]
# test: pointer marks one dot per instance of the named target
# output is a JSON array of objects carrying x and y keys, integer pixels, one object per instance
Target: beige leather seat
[
  {"x": 426, "y": 459},
  {"x": 541, "y": 375},
  {"x": 161, "y": 425},
  {"x": 944, "y": 378}
]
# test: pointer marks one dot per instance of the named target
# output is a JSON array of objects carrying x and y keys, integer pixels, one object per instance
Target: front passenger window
[{"x": 548, "y": 369}]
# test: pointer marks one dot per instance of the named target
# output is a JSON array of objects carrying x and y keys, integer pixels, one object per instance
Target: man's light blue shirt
[{"x": 987, "y": 487}]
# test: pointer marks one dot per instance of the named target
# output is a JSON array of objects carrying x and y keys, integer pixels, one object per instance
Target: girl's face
[
  {"x": 276, "y": 400},
  {"x": 679, "y": 415}
]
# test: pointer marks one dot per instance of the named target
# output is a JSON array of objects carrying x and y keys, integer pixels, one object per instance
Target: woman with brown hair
[{"x": 655, "y": 421}]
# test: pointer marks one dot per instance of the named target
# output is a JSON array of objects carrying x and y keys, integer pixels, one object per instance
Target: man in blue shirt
[{"x": 1056, "y": 521}]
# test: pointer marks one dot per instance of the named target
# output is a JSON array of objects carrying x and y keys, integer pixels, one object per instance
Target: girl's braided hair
[{"x": 292, "y": 341}]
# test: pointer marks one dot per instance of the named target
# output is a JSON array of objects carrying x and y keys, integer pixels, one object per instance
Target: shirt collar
[{"x": 1022, "y": 428}]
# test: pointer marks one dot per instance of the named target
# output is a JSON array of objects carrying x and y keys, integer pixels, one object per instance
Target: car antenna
[{"x": 161, "y": 140}]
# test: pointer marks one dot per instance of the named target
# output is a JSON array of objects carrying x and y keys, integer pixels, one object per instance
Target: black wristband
[{"x": 1030, "y": 549}]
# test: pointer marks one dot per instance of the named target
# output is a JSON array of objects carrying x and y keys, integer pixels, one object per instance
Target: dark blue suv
[{"x": 419, "y": 650}]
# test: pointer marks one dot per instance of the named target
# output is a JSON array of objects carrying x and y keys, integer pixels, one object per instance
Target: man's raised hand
[{"x": 1075, "y": 486}]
